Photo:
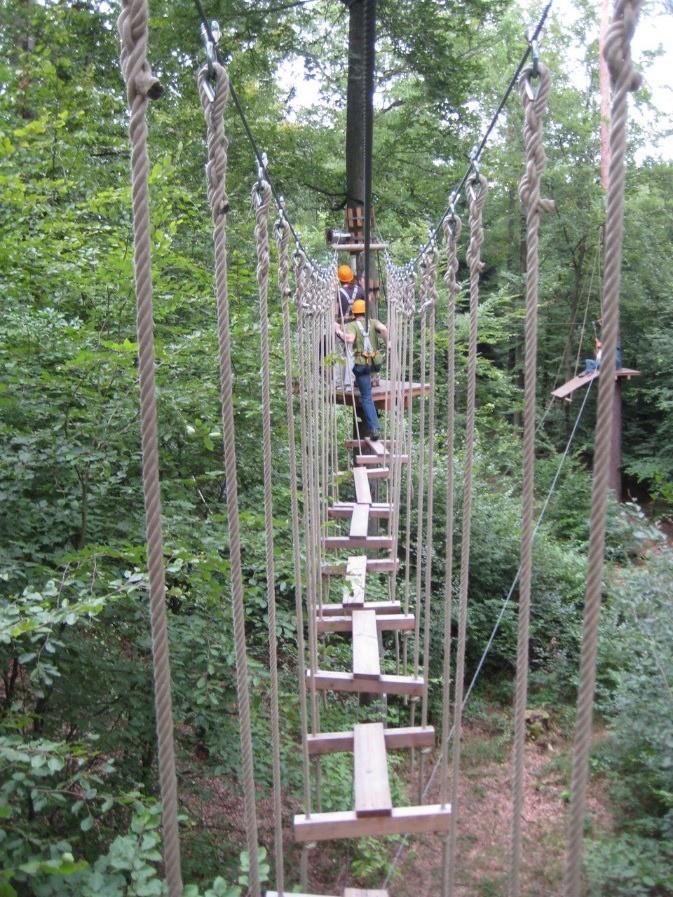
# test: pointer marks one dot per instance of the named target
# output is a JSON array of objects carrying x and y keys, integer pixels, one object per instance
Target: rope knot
[{"x": 617, "y": 49}]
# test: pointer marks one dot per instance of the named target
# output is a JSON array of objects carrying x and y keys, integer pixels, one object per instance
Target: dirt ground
[{"x": 484, "y": 827}]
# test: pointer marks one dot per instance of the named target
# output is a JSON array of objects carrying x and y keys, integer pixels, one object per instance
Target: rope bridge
[{"x": 358, "y": 496}]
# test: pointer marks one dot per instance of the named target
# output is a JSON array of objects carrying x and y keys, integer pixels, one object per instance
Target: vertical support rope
[
  {"x": 624, "y": 79},
  {"x": 141, "y": 86},
  {"x": 534, "y": 103},
  {"x": 476, "y": 190},
  {"x": 219, "y": 204},
  {"x": 432, "y": 297},
  {"x": 282, "y": 240},
  {"x": 452, "y": 230},
  {"x": 261, "y": 202}
]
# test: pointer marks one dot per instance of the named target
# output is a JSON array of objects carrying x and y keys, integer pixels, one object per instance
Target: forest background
[{"x": 78, "y": 810}]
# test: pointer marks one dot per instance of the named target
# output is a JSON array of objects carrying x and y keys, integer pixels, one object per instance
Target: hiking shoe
[{"x": 375, "y": 436}]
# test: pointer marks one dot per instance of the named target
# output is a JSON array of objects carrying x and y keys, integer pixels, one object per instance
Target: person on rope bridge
[
  {"x": 349, "y": 291},
  {"x": 593, "y": 364},
  {"x": 366, "y": 359}
]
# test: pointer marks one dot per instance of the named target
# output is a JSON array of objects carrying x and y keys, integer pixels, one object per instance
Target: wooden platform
[
  {"x": 346, "y": 824},
  {"x": 384, "y": 622},
  {"x": 348, "y": 892},
  {"x": 395, "y": 739},
  {"x": 329, "y": 680},
  {"x": 342, "y": 510},
  {"x": 367, "y": 460},
  {"x": 374, "y": 565},
  {"x": 383, "y": 395},
  {"x": 368, "y": 543},
  {"x": 565, "y": 391}
]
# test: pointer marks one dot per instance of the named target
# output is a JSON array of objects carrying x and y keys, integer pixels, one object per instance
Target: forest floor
[
  {"x": 485, "y": 823},
  {"x": 484, "y": 828}
]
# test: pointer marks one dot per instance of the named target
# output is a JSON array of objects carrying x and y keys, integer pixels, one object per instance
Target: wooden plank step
[
  {"x": 370, "y": 771},
  {"x": 363, "y": 493},
  {"x": 384, "y": 622},
  {"x": 376, "y": 459},
  {"x": 379, "y": 607},
  {"x": 360, "y": 523},
  {"x": 348, "y": 892},
  {"x": 369, "y": 543},
  {"x": 366, "y": 661},
  {"x": 374, "y": 565},
  {"x": 376, "y": 473},
  {"x": 386, "y": 684},
  {"x": 345, "y": 824},
  {"x": 375, "y": 445},
  {"x": 396, "y": 739},
  {"x": 567, "y": 389},
  {"x": 356, "y": 576},
  {"x": 363, "y": 443},
  {"x": 344, "y": 509}
]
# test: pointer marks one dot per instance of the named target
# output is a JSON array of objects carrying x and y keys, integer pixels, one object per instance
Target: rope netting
[{"x": 317, "y": 381}]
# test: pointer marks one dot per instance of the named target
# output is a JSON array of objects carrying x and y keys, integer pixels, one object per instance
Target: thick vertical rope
[
  {"x": 261, "y": 202},
  {"x": 452, "y": 230},
  {"x": 141, "y": 86},
  {"x": 432, "y": 297},
  {"x": 421, "y": 494},
  {"x": 534, "y": 93},
  {"x": 282, "y": 239},
  {"x": 219, "y": 205},
  {"x": 624, "y": 79},
  {"x": 476, "y": 191}
]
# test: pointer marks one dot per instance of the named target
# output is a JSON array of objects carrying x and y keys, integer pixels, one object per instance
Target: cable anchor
[{"x": 210, "y": 46}]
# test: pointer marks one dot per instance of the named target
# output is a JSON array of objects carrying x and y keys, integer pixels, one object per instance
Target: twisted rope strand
[
  {"x": 261, "y": 202},
  {"x": 452, "y": 230},
  {"x": 624, "y": 79},
  {"x": 477, "y": 197},
  {"x": 534, "y": 103},
  {"x": 219, "y": 205},
  {"x": 140, "y": 84}
]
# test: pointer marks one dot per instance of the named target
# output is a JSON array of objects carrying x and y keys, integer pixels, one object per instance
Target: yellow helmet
[
  {"x": 359, "y": 307},
  {"x": 345, "y": 274}
]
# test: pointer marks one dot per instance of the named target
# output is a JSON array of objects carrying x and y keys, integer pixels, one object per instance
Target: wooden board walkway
[
  {"x": 567, "y": 389},
  {"x": 373, "y": 813},
  {"x": 383, "y": 395}
]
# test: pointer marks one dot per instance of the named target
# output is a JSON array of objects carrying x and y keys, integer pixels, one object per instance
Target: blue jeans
[{"x": 363, "y": 381}]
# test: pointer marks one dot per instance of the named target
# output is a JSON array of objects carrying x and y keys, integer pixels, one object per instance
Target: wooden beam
[
  {"x": 379, "y": 607},
  {"x": 376, "y": 473},
  {"x": 345, "y": 824},
  {"x": 369, "y": 460},
  {"x": 376, "y": 446},
  {"x": 374, "y": 565},
  {"x": 371, "y": 787},
  {"x": 363, "y": 444},
  {"x": 396, "y": 740},
  {"x": 386, "y": 684},
  {"x": 360, "y": 523},
  {"x": 344, "y": 509},
  {"x": 366, "y": 661},
  {"x": 356, "y": 576},
  {"x": 384, "y": 622},
  {"x": 359, "y": 892},
  {"x": 369, "y": 543},
  {"x": 363, "y": 493}
]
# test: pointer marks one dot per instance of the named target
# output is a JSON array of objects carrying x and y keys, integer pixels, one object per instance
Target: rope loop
[
  {"x": 617, "y": 45},
  {"x": 534, "y": 104}
]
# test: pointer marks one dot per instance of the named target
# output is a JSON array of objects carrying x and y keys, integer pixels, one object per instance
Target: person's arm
[
  {"x": 383, "y": 330},
  {"x": 343, "y": 334}
]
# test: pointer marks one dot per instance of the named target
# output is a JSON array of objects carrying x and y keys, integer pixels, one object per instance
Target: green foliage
[{"x": 635, "y": 696}]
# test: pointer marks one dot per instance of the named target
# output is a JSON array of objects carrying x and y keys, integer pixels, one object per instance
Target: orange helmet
[
  {"x": 345, "y": 274},
  {"x": 359, "y": 307}
]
